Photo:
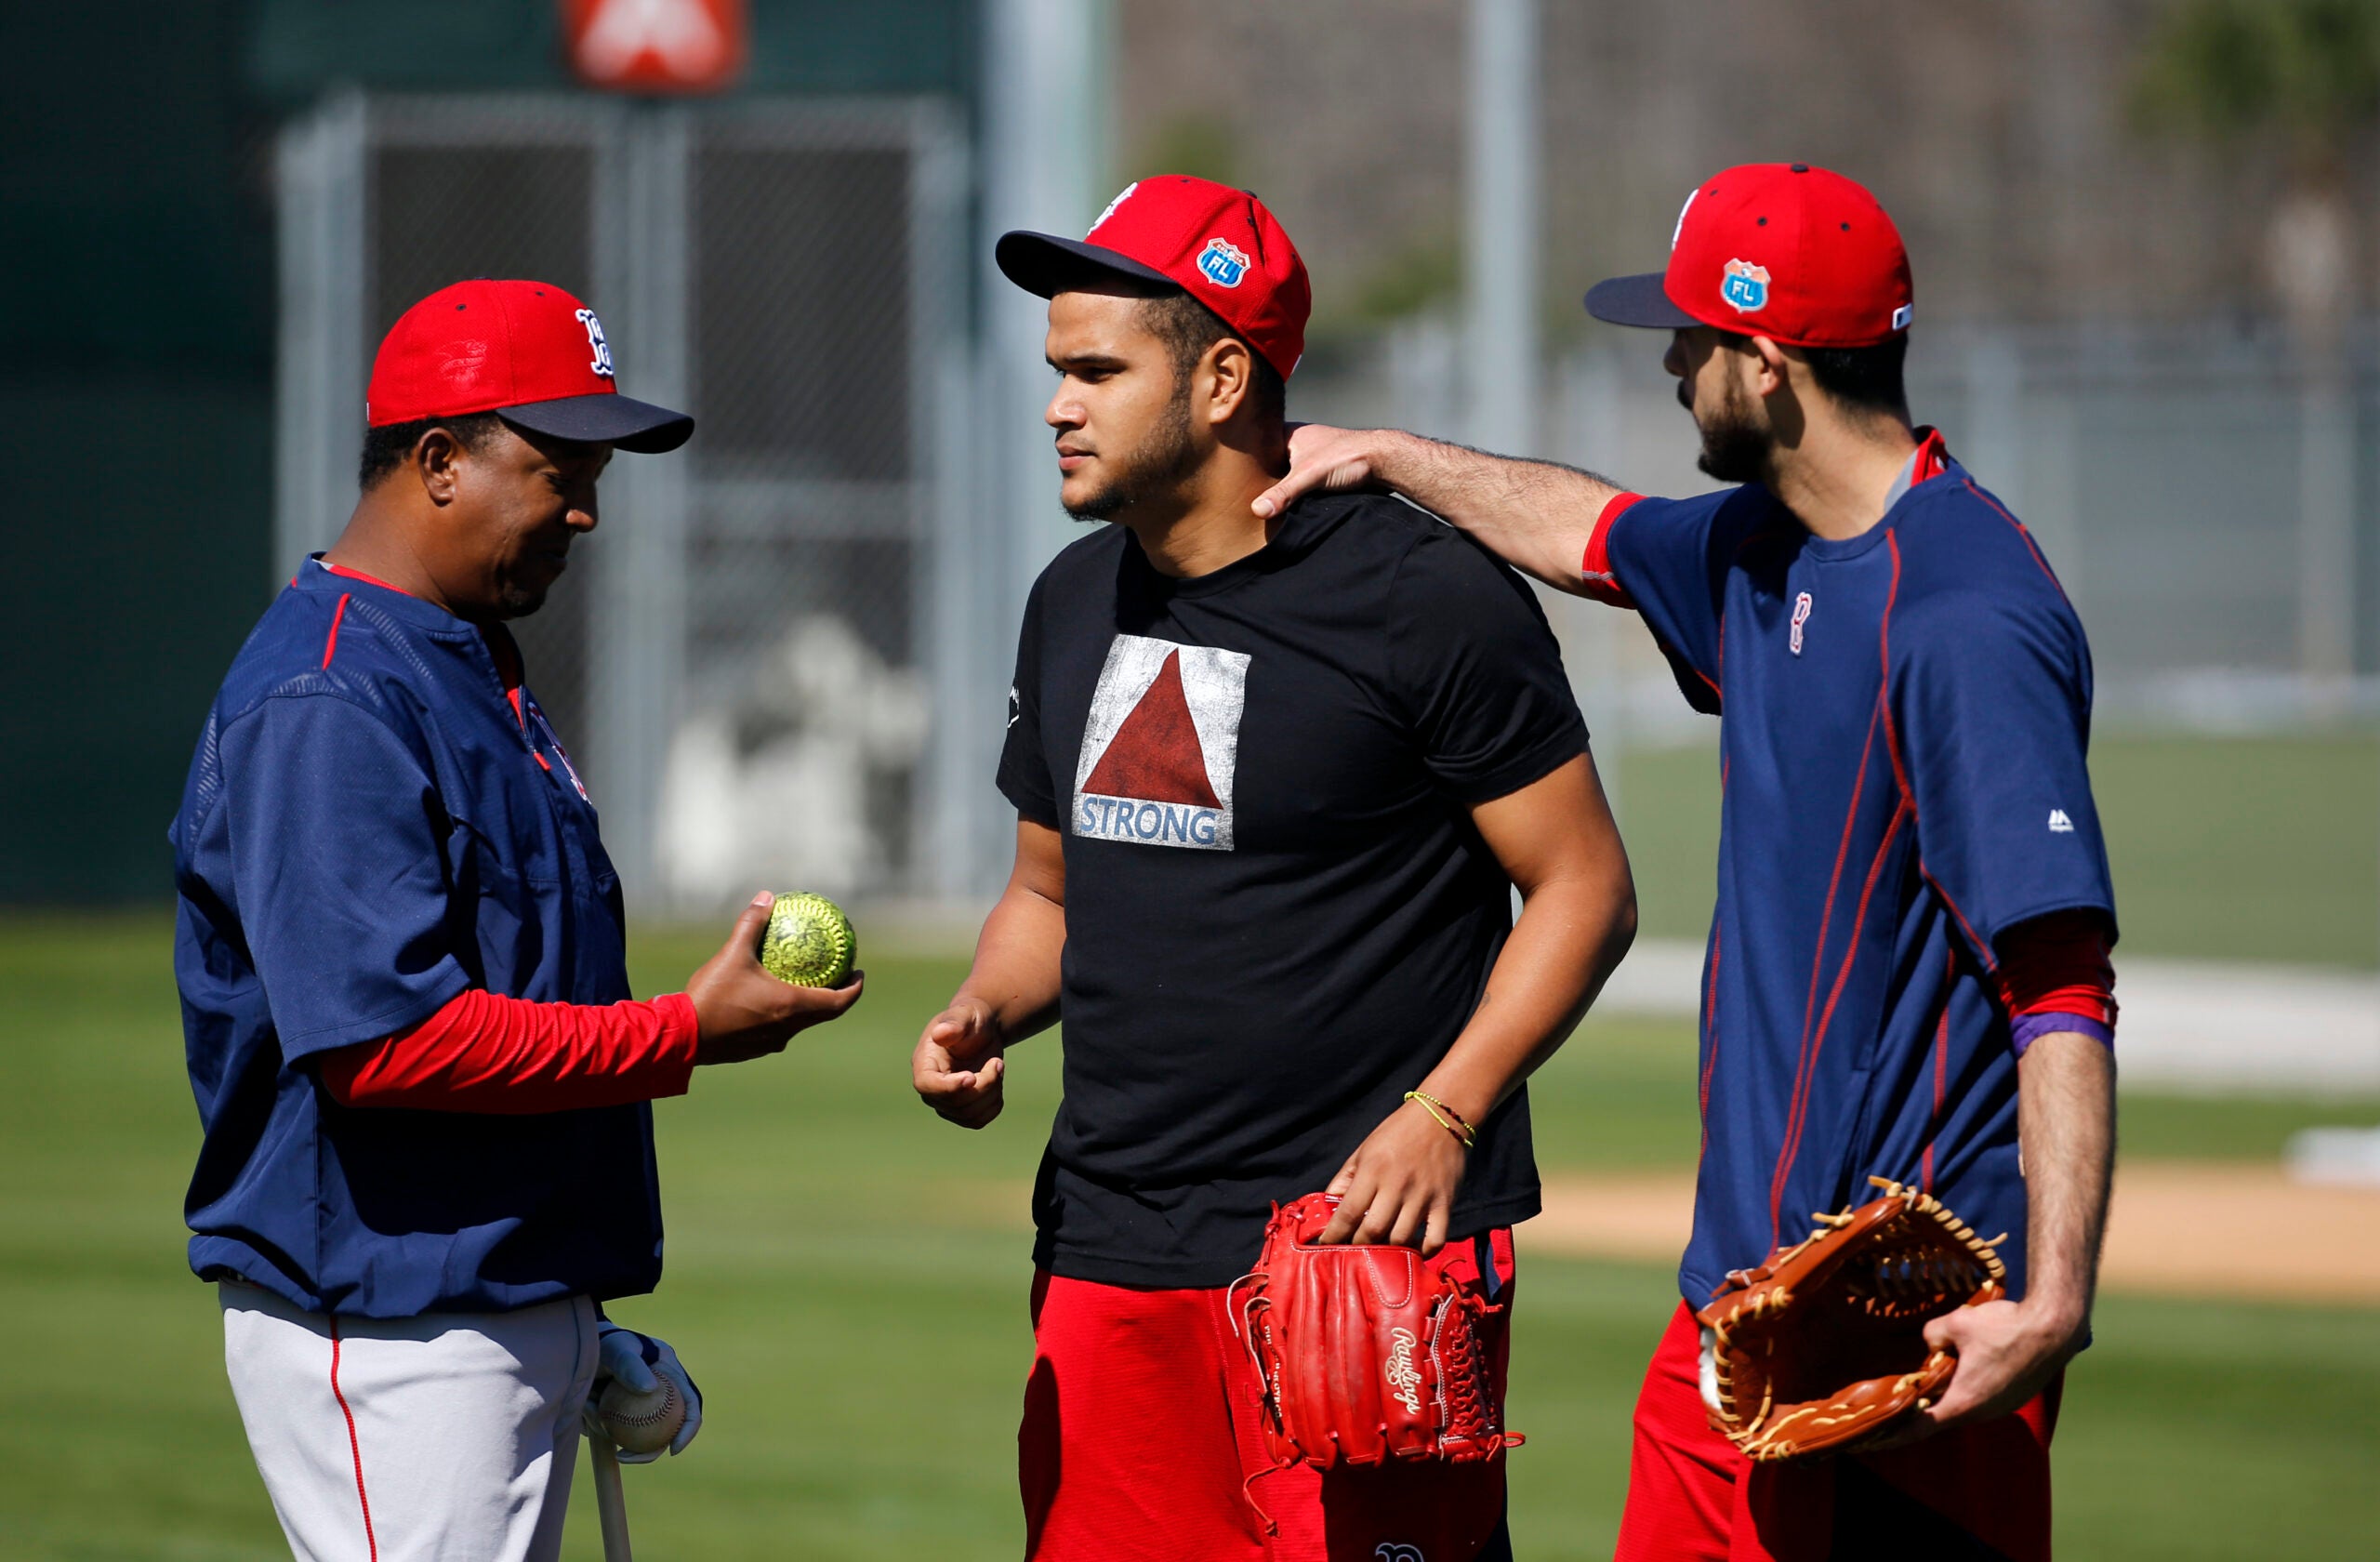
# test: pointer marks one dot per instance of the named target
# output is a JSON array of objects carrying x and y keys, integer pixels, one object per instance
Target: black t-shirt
[{"x": 1278, "y": 914}]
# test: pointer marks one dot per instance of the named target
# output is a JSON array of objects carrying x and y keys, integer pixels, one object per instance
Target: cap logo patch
[
  {"x": 462, "y": 361},
  {"x": 1901, "y": 316},
  {"x": 1745, "y": 287},
  {"x": 602, "y": 364},
  {"x": 1123, "y": 195},
  {"x": 1223, "y": 263}
]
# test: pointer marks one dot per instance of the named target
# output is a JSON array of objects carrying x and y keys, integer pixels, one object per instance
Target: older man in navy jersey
[
  {"x": 1909, "y": 963},
  {"x": 429, "y": 1154}
]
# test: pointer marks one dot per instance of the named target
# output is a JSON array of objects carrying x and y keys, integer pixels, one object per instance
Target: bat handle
[{"x": 611, "y": 1502}]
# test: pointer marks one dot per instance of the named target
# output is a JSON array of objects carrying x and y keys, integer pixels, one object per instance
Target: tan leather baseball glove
[{"x": 1821, "y": 1349}]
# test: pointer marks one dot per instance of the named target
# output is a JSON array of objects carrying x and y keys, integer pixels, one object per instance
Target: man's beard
[
  {"x": 1735, "y": 449},
  {"x": 1163, "y": 461}
]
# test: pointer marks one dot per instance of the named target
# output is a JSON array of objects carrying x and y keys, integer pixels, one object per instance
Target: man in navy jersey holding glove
[
  {"x": 1908, "y": 968},
  {"x": 429, "y": 1153},
  {"x": 1275, "y": 782}
]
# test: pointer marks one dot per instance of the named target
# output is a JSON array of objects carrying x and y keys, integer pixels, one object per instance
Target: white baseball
[{"x": 642, "y": 1423}]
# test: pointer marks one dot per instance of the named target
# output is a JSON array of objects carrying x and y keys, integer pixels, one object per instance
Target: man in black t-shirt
[{"x": 1275, "y": 784}]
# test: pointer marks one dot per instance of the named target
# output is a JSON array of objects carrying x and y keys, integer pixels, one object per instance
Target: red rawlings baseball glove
[
  {"x": 1368, "y": 1352},
  {"x": 1822, "y": 1348}
]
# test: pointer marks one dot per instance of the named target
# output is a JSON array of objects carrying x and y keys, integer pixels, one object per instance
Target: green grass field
[
  {"x": 2251, "y": 849},
  {"x": 847, "y": 1278}
]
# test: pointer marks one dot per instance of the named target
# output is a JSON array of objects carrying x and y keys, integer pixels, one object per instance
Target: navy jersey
[
  {"x": 1904, "y": 715},
  {"x": 369, "y": 829}
]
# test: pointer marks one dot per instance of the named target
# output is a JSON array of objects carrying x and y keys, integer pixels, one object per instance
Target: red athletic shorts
[
  {"x": 1141, "y": 1440},
  {"x": 1978, "y": 1492}
]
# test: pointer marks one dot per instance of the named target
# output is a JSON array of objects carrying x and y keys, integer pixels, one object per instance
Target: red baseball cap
[
  {"x": 1183, "y": 235},
  {"x": 526, "y": 349},
  {"x": 1783, "y": 250}
]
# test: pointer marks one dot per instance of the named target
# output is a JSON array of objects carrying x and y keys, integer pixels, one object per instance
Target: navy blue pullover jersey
[
  {"x": 369, "y": 829},
  {"x": 1904, "y": 717}
]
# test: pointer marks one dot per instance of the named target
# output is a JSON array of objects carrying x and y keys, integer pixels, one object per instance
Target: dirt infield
[
  {"x": 2240, "y": 1231},
  {"x": 2178, "y": 1228}
]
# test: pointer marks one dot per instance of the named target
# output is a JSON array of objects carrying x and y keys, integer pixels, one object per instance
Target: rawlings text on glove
[{"x": 1368, "y": 1353}]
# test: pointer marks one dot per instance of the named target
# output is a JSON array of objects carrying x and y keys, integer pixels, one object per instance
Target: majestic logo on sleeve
[{"x": 1161, "y": 745}]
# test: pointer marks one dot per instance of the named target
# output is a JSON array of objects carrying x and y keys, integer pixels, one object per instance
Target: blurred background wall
[{"x": 2143, "y": 233}]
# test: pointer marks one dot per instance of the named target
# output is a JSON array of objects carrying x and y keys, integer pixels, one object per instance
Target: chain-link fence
[{"x": 739, "y": 652}]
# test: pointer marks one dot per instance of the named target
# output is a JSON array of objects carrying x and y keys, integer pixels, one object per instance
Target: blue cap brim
[
  {"x": 1046, "y": 265},
  {"x": 1637, "y": 301},
  {"x": 620, "y": 421}
]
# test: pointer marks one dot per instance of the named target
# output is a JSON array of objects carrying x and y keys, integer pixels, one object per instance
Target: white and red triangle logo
[{"x": 1161, "y": 745}]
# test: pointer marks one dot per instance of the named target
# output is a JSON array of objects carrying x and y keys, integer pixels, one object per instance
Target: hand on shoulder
[{"x": 1333, "y": 461}]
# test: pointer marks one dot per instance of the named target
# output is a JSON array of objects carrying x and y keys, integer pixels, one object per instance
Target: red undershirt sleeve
[
  {"x": 485, "y": 1052},
  {"x": 2054, "y": 975},
  {"x": 1601, "y": 582}
]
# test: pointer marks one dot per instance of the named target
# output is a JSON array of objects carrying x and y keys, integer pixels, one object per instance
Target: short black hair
[
  {"x": 386, "y": 449},
  {"x": 1862, "y": 379},
  {"x": 1867, "y": 378},
  {"x": 1189, "y": 327}
]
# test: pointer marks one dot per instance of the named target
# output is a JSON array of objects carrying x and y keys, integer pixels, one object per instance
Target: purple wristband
[{"x": 2028, "y": 1027}]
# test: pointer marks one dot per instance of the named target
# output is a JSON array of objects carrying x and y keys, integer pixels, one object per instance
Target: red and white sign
[{"x": 656, "y": 45}]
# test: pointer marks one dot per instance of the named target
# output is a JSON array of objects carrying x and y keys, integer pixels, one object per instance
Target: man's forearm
[
  {"x": 1015, "y": 974},
  {"x": 1537, "y": 515},
  {"x": 2066, "y": 1125},
  {"x": 1569, "y": 940}
]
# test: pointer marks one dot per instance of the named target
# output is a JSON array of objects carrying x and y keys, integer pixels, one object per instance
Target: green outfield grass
[
  {"x": 2254, "y": 849},
  {"x": 846, "y": 1279}
]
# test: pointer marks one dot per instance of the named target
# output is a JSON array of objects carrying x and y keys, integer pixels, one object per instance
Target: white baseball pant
[{"x": 446, "y": 1437}]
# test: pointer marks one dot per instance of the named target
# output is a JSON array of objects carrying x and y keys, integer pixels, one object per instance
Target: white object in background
[
  {"x": 2186, "y": 1024},
  {"x": 2335, "y": 1156},
  {"x": 2235, "y": 1027},
  {"x": 790, "y": 806}
]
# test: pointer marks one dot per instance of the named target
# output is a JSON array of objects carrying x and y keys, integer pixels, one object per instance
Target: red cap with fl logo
[
  {"x": 1801, "y": 256},
  {"x": 1177, "y": 234},
  {"x": 526, "y": 349}
]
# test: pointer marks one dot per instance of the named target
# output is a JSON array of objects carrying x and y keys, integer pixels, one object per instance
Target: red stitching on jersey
[
  {"x": 1711, "y": 1046},
  {"x": 1801, "y": 1069},
  {"x": 1885, "y": 654},
  {"x": 354, "y": 1447},
  {"x": 330, "y": 645},
  {"x": 1805, "y": 1069},
  {"x": 1900, "y": 769},
  {"x": 1941, "y": 1063},
  {"x": 2030, "y": 546},
  {"x": 359, "y": 574},
  {"x": 1792, "y": 1147}
]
